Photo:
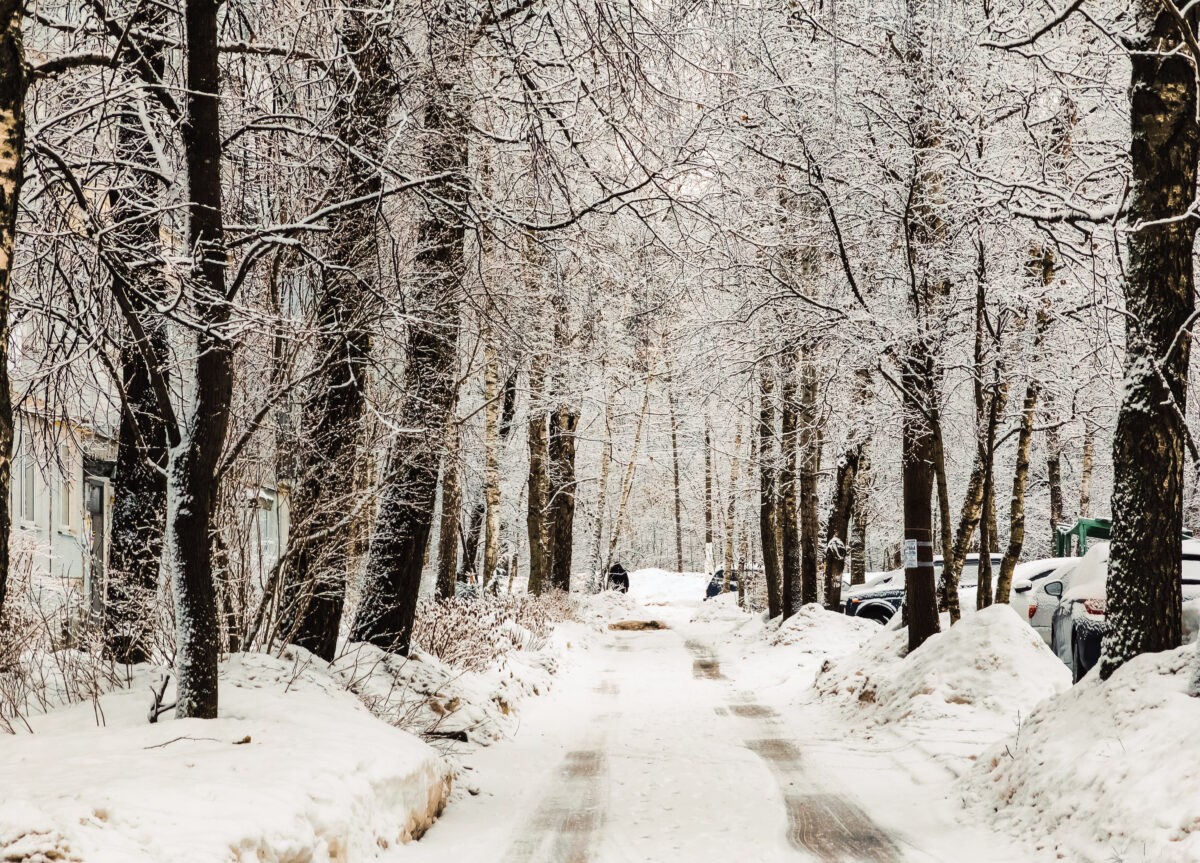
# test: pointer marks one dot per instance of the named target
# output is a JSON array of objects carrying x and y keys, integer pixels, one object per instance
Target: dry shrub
[
  {"x": 50, "y": 647},
  {"x": 472, "y": 632}
]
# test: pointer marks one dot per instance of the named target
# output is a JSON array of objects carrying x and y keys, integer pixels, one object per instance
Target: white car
[{"x": 1037, "y": 586}]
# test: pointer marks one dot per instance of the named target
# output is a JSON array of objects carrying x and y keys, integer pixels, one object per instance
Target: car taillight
[
  {"x": 1032, "y": 608},
  {"x": 1095, "y": 606}
]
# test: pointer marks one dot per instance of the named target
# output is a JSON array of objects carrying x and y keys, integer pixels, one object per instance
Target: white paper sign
[{"x": 910, "y": 554}]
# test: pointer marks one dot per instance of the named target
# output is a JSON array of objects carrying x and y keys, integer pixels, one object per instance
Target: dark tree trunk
[
  {"x": 790, "y": 584},
  {"x": 1144, "y": 596},
  {"x": 838, "y": 524},
  {"x": 324, "y": 493},
  {"x": 919, "y": 449},
  {"x": 12, "y": 152},
  {"x": 810, "y": 470},
  {"x": 139, "y": 485},
  {"x": 192, "y": 470},
  {"x": 1054, "y": 480},
  {"x": 401, "y": 535},
  {"x": 537, "y": 524},
  {"x": 561, "y": 449},
  {"x": 675, "y": 474},
  {"x": 470, "y": 544},
  {"x": 768, "y": 500},
  {"x": 451, "y": 503}
]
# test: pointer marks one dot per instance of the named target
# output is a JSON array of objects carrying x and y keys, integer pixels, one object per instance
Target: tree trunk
[
  {"x": 447, "y": 570},
  {"x": 810, "y": 472},
  {"x": 470, "y": 543},
  {"x": 1144, "y": 596},
  {"x": 139, "y": 485},
  {"x": 561, "y": 448},
  {"x": 1016, "y": 508},
  {"x": 919, "y": 450},
  {"x": 709, "y": 566},
  {"x": 491, "y": 460},
  {"x": 731, "y": 506},
  {"x": 630, "y": 471},
  {"x": 1054, "y": 479},
  {"x": 790, "y": 588},
  {"x": 12, "y": 153},
  {"x": 538, "y": 505},
  {"x": 398, "y": 544},
  {"x": 858, "y": 535},
  {"x": 997, "y": 401},
  {"x": 192, "y": 467},
  {"x": 602, "y": 489},
  {"x": 322, "y": 542},
  {"x": 675, "y": 474},
  {"x": 768, "y": 504},
  {"x": 1086, "y": 467},
  {"x": 838, "y": 524}
]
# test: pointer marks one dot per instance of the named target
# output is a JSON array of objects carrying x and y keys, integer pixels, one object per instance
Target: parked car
[
  {"x": 881, "y": 601},
  {"x": 1037, "y": 586},
  {"x": 1078, "y": 623},
  {"x": 716, "y": 586}
]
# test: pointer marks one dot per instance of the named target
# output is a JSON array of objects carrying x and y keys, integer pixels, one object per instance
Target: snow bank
[
  {"x": 424, "y": 694},
  {"x": 815, "y": 629},
  {"x": 659, "y": 587},
  {"x": 296, "y": 769},
  {"x": 1104, "y": 771},
  {"x": 989, "y": 664}
]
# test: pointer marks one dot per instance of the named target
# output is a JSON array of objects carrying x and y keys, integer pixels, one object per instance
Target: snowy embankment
[
  {"x": 296, "y": 768},
  {"x": 1105, "y": 771},
  {"x": 990, "y": 666}
]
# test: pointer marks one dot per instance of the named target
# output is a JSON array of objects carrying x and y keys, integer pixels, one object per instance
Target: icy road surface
[{"x": 653, "y": 746}]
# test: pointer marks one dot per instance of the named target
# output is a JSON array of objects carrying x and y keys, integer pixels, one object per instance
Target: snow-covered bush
[
  {"x": 50, "y": 653},
  {"x": 473, "y": 632}
]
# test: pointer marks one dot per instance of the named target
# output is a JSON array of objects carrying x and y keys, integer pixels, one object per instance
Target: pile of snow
[
  {"x": 421, "y": 693},
  {"x": 815, "y": 629},
  {"x": 659, "y": 587},
  {"x": 597, "y": 610},
  {"x": 1104, "y": 771},
  {"x": 723, "y": 608},
  {"x": 296, "y": 768},
  {"x": 990, "y": 663}
]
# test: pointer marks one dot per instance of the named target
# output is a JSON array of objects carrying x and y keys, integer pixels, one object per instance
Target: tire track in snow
[
  {"x": 828, "y": 826},
  {"x": 570, "y": 817}
]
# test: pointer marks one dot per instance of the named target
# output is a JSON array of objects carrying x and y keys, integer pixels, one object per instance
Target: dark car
[
  {"x": 1080, "y": 622},
  {"x": 881, "y": 601},
  {"x": 716, "y": 586}
]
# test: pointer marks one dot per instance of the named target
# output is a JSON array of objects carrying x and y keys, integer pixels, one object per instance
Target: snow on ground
[
  {"x": 295, "y": 769},
  {"x": 657, "y": 587},
  {"x": 991, "y": 665},
  {"x": 421, "y": 692},
  {"x": 1104, "y": 771}
]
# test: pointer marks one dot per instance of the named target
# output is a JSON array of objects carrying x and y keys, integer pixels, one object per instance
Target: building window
[
  {"x": 28, "y": 489},
  {"x": 66, "y": 501}
]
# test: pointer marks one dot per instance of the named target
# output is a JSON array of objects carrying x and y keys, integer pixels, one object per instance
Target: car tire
[{"x": 1076, "y": 673}]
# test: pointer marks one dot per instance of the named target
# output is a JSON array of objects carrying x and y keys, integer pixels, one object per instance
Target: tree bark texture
[
  {"x": 810, "y": 473},
  {"x": 324, "y": 495},
  {"x": 12, "y": 174},
  {"x": 768, "y": 502},
  {"x": 447, "y": 566},
  {"x": 538, "y": 501},
  {"x": 398, "y": 543},
  {"x": 192, "y": 466},
  {"x": 1144, "y": 593},
  {"x": 561, "y": 448},
  {"x": 791, "y": 596},
  {"x": 139, "y": 484}
]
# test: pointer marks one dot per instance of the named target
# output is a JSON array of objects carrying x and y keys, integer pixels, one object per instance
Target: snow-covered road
[{"x": 657, "y": 746}]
